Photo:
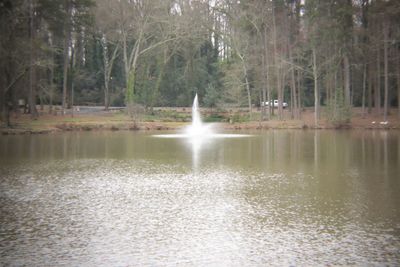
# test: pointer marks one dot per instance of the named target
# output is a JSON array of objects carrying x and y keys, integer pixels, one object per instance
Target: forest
[{"x": 330, "y": 55}]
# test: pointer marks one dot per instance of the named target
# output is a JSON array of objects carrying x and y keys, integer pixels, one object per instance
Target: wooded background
[{"x": 332, "y": 53}]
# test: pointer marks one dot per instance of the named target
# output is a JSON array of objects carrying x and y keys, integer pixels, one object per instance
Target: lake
[{"x": 277, "y": 197}]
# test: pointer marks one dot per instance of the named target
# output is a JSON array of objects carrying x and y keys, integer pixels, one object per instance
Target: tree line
[{"x": 146, "y": 53}]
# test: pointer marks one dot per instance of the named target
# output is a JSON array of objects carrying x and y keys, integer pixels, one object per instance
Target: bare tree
[
  {"x": 107, "y": 26},
  {"x": 67, "y": 46},
  {"x": 386, "y": 68},
  {"x": 32, "y": 58},
  {"x": 316, "y": 89}
]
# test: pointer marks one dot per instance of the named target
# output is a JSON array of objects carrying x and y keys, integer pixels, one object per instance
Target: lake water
[{"x": 275, "y": 198}]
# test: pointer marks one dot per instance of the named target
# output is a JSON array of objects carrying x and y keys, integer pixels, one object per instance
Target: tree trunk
[
  {"x": 264, "y": 75},
  {"x": 247, "y": 83},
  {"x": 130, "y": 68},
  {"x": 291, "y": 100},
  {"x": 73, "y": 61},
  {"x": 280, "y": 94},
  {"x": 105, "y": 72},
  {"x": 130, "y": 88},
  {"x": 346, "y": 69},
  {"x": 275, "y": 58},
  {"x": 370, "y": 83},
  {"x": 386, "y": 69},
  {"x": 3, "y": 102},
  {"x": 293, "y": 87},
  {"x": 32, "y": 69},
  {"x": 264, "y": 89},
  {"x": 377, "y": 92},
  {"x": 67, "y": 37},
  {"x": 316, "y": 92},
  {"x": 364, "y": 88},
  {"x": 7, "y": 108},
  {"x": 125, "y": 57},
  {"x": 298, "y": 95},
  {"x": 108, "y": 65},
  {"x": 51, "y": 78},
  {"x": 106, "y": 96},
  {"x": 247, "y": 87},
  {"x": 398, "y": 83},
  {"x": 268, "y": 78}
]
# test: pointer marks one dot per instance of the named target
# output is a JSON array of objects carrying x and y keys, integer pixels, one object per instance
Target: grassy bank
[{"x": 176, "y": 118}]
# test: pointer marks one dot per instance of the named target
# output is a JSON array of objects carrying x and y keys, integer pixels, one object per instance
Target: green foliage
[
  {"x": 117, "y": 98},
  {"x": 240, "y": 118},
  {"x": 233, "y": 92},
  {"x": 337, "y": 111},
  {"x": 168, "y": 116},
  {"x": 211, "y": 97},
  {"x": 216, "y": 117}
]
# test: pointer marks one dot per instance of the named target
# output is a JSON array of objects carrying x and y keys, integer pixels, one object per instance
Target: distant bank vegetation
[{"x": 150, "y": 53}]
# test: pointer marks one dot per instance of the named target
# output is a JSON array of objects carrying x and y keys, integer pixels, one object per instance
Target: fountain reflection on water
[{"x": 198, "y": 134}]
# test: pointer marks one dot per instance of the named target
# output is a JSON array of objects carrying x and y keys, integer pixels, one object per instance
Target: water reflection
[
  {"x": 196, "y": 144},
  {"x": 277, "y": 198},
  {"x": 273, "y": 151}
]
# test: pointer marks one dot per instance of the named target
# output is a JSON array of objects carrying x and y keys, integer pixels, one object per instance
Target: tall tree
[{"x": 67, "y": 46}]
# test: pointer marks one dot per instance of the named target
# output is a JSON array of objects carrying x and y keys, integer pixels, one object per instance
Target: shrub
[
  {"x": 338, "y": 112},
  {"x": 215, "y": 117}
]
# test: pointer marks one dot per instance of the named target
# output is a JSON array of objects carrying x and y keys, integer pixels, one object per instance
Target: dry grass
[{"x": 175, "y": 118}]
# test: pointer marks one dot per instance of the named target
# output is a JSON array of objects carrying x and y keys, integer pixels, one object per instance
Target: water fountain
[
  {"x": 197, "y": 132},
  {"x": 197, "y": 128},
  {"x": 198, "y": 135}
]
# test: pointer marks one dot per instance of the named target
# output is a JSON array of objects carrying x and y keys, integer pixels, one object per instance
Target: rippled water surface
[{"x": 274, "y": 198}]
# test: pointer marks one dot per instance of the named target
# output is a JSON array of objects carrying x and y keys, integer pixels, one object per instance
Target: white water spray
[
  {"x": 197, "y": 128},
  {"x": 198, "y": 132},
  {"x": 196, "y": 120}
]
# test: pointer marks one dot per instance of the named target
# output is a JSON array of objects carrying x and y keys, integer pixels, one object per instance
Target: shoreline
[
  {"x": 173, "y": 119},
  {"x": 175, "y": 126}
]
